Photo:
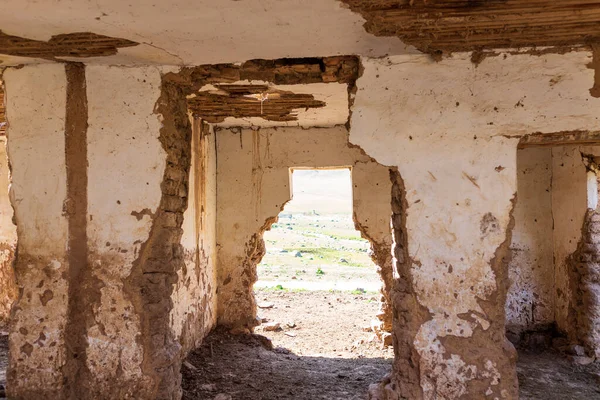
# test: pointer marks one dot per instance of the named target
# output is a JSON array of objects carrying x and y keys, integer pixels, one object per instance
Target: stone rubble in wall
[{"x": 585, "y": 284}]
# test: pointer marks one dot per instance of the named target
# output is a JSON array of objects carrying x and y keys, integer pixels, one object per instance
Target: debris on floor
[{"x": 246, "y": 367}]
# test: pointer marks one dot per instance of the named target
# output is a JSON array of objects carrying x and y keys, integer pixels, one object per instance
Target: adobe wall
[
  {"x": 8, "y": 240},
  {"x": 530, "y": 303},
  {"x": 454, "y": 141},
  {"x": 194, "y": 298},
  {"x": 38, "y": 192},
  {"x": 254, "y": 180},
  {"x": 569, "y": 203},
  {"x": 576, "y": 244},
  {"x": 110, "y": 242}
]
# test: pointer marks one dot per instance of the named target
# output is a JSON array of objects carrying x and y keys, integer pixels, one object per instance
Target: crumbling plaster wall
[
  {"x": 553, "y": 202},
  {"x": 99, "y": 194},
  {"x": 569, "y": 206},
  {"x": 530, "y": 302},
  {"x": 372, "y": 211},
  {"x": 254, "y": 180},
  {"x": 194, "y": 297},
  {"x": 125, "y": 171},
  {"x": 8, "y": 240},
  {"x": 454, "y": 140},
  {"x": 37, "y": 194}
]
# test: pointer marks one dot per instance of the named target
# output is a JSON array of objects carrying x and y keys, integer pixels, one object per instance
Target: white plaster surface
[
  {"x": 36, "y": 97},
  {"x": 454, "y": 137},
  {"x": 530, "y": 301},
  {"x": 592, "y": 190},
  {"x": 126, "y": 167},
  {"x": 547, "y": 93},
  {"x": 202, "y": 32}
]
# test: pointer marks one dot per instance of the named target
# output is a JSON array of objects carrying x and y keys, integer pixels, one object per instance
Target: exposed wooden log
[
  {"x": 231, "y": 98},
  {"x": 80, "y": 44},
  {"x": 560, "y": 139},
  {"x": 286, "y": 71},
  {"x": 246, "y": 101},
  {"x": 465, "y": 25}
]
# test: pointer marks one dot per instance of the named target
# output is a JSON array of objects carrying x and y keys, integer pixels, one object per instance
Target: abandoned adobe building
[{"x": 145, "y": 148}]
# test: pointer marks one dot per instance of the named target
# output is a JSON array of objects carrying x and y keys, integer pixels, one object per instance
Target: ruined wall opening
[
  {"x": 320, "y": 341},
  {"x": 552, "y": 308},
  {"x": 320, "y": 270}
]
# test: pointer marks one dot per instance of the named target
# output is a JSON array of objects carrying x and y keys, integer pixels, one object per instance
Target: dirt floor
[
  {"x": 320, "y": 351},
  {"x": 328, "y": 355},
  {"x": 551, "y": 376}
]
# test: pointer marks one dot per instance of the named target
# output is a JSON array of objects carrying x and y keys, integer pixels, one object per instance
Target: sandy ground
[
  {"x": 315, "y": 244},
  {"x": 321, "y": 351},
  {"x": 318, "y": 252},
  {"x": 551, "y": 376}
]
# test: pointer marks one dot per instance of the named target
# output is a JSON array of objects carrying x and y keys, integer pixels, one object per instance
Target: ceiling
[
  {"x": 194, "y": 32},
  {"x": 467, "y": 25}
]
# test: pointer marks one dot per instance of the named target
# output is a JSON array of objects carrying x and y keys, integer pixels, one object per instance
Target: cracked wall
[
  {"x": 121, "y": 122},
  {"x": 38, "y": 191},
  {"x": 116, "y": 232},
  {"x": 454, "y": 141},
  {"x": 569, "y": 203},
  {"x": 194, "y": 297},
  {"x": 584, "y": 279},
  {"x": 531, "y": 297},
  {"x": 552, "y": 269},
  {"x": 8, "y": 239},
  {"x": 254, "y": 179},
  {"x": 575, "y": 250}
]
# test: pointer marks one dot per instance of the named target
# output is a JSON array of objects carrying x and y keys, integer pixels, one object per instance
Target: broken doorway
[
  {"x": 319, "y": 269},
  {"x": 253, "y": 169},
  {"x": 551, "y": 245}
]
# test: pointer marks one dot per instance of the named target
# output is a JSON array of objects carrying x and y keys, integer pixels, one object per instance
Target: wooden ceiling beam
[
  {"x": 577, "y": 137},
  {"x": 467, "y": 25}
]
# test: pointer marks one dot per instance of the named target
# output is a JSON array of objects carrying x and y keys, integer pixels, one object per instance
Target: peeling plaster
[
  {"x": 126, "y": 164},
  {"x": 254, "y": 178},
  {"x": 176, "y": 33},
  {"x": 37, "y": 194}
]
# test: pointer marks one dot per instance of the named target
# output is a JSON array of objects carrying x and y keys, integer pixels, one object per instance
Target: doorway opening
[
  {"x": 317, "y": 277},
  {"x": 318, "y": 294},
  {"x": 552, "y": 311}
]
